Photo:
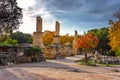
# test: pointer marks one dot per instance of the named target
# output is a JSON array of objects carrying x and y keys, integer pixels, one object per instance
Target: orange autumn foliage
[{"x": 87, "y": 41}]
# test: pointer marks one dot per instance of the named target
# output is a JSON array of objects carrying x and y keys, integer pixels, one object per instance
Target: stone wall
[{"x": 38, "y": 39}]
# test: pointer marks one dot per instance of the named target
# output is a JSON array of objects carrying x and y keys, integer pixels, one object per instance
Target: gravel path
[{"x": 60, "y": 69}]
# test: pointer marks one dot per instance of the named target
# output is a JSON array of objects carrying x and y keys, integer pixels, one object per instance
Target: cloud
[
  {"x": 73, "y": 14},
  {"x": 30, "y": 12},
  {"x": 26, "y": 3}
]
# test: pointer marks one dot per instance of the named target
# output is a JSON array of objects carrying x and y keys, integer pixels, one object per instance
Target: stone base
[
  {"x": 56, "y": 40},
  {"x": 38, "y": 39}
]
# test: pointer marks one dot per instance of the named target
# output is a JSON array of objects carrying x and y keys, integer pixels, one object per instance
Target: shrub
[
  {"x": 11, "y": 42},
  {"x": 33, "y": 51},
  {"x": 118, "y": 52}
]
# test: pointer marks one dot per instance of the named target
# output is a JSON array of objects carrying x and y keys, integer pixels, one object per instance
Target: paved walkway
[{"x": 60, "y": 69}]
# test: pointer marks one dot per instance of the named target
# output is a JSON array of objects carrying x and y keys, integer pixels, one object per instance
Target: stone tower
[
  {"x": 57, "y": 28},
  {"x": 56, "y": 37},
  {"x": 38, "y": 24},
  {"x": 75, "y": 42},
  {"x": 38, "y": 35}
]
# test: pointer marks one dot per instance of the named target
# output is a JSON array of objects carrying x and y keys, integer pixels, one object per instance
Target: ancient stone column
[
  {"x": 38, "y": 35},
  {"x": 76, "y": 34},
  {"x": 75, "y": 42},
  {"x": 38, "y": 24},
  {"x": 57, "y": 28},
  {"x": 56, "y": 37}
]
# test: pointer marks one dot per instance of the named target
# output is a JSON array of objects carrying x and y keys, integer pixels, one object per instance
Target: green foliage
[
  {"x": 10, "y": 41},
  {"x": 118, "y": 52},
  {"x": 10, "y": 16},
  {"x": 3, "y": 44},
  {"x": 33, "y": 51},
  {"x": 22, "y": 37},
  {"x": 83, "y": 62},
  {"x": 102, "y": 34}
]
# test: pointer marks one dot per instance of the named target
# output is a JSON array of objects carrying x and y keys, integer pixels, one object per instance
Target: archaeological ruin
[{"x": 55, "y": 50}]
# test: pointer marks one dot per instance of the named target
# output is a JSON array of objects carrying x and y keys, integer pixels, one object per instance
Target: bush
[
  {"x": 33, "y": 51},
  {"x": 11, "y": 42},
  {"x": 118, "y": 52},
  {"x": 83, "y": 62},
  {"x": 111, "y": 53}
]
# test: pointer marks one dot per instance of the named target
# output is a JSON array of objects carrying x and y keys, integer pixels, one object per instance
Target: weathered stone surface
[
  {"x": 50, "y": 53},
  {"x": 57, "y": 28},
  {"x": 75, "y": 42},
  {"x": 38, "y": 24},
  {"x": 38, "y": 35},
  {"x": 38, "y": 39},
  {"x": 56, "y": 40},
  {"x": 96, "y": 57}
]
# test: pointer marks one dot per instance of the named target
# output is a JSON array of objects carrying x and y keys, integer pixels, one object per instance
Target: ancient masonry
[
  {"x": 75, "y": 42},
  {"x": 56, "y": 37},
  {"x": 38, "y": 35},
  {"x": 55, "y": 49}
]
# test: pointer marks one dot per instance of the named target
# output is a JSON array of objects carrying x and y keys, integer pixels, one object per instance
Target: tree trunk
[{"x": 86, "y": 59}]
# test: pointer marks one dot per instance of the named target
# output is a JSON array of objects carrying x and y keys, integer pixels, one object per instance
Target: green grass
[
  {"x": 107, "y": 64},
  {"x": 82, "y": 62},
  {"x": 3, "y": 44},
  {"x": 90, "y": 63}
]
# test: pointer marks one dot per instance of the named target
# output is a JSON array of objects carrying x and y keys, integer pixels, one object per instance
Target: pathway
[{"x": 60, "y": 69}]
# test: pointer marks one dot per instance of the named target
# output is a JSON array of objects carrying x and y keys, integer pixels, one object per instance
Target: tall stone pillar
[
  {"x": 75, "y": 43},
  {"x": 38, "y": 35},
  {"x": 56, "y": 38},
  {"x": 76, "y": 34},
  {"x": 57, "y": 28},
  {"x": 38, "y": 24}
]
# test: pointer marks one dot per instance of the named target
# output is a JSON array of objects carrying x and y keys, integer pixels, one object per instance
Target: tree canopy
[
  {"x": 22, "y": 37},
  {"x": 48, "y": 38},
  {"x": 66, "y": 38},
  {"x": 114, "y": 32},
  {"x": 87, "y": 41},
  {"x": 102, "y": 34},
  {"x": 10, "y": 16}
]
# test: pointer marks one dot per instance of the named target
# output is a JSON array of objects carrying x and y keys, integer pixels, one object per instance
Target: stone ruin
[
  {"x": 56, "y": 50},
  {"x": 38, "y": 35}
]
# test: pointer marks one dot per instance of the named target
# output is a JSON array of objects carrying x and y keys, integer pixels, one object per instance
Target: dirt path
[{"x": 60, "y": 69}]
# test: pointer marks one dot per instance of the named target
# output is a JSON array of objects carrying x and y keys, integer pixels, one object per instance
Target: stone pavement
[{"x": 60, "y": 69}]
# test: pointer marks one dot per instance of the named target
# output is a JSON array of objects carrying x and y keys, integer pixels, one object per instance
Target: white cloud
[
  {"x": 29, "y": 22},
  {"x": 26, "y": 3}
]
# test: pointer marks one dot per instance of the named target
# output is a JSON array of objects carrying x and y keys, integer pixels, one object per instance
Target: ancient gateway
[{"x": 56, "y": 48}]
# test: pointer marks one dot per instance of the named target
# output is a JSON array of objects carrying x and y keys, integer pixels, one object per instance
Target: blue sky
[{"x": 80, "y": 15}]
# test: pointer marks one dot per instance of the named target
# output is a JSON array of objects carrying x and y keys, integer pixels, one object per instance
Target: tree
[
  {"x": 48, "y": 38},
  {"x": 102, "y": 34},
  {"x": 87, "y": 42},
  {"x": 10, "y": 16},
  {"x": 66, "y": 38},
  {"x": 114, "y": 32},
  {"x": 22, "y": 37},
  {"x": 12, "y": 42}
]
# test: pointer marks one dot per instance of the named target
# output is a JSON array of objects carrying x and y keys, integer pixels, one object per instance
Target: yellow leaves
[
  {"x": 48, "y": 38},
  {"x": 64, "y": 39},
  {"x": 114, "y": 35}
]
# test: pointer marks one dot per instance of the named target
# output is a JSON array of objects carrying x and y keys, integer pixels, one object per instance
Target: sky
[{"x": 80, "y": 15}]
